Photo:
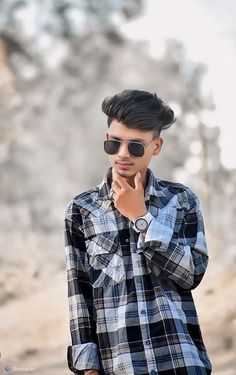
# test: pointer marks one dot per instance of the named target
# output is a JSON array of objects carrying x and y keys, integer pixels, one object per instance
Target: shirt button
[
  {"x": 127, "y": 240},
  {"x": 143, "y": 312},
  {"x": 139, "y": 280},
  {"x": 153, "y": 372},
  {"x": 147, "y": 342}
]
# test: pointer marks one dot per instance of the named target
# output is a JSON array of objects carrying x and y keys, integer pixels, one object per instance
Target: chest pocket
[{"x": 105, "y": 256}]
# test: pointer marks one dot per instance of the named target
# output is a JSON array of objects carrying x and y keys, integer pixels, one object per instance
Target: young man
[{"x": 135, "y": 248}]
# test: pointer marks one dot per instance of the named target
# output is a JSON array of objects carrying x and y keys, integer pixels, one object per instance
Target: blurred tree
[
  {"x": 64, "y": 17},
  {"x": 51, "y": 121}
]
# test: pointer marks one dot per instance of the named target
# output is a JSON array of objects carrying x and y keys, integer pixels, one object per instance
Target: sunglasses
[{"x": 136, "y": 149}]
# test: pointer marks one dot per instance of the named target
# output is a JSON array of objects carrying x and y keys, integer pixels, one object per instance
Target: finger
[
  {"x": 122, "y": 181},
  {"x": 138, "y": 182}
]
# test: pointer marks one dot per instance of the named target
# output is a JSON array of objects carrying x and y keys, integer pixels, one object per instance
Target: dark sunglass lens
[
  {"x": 136, "y": 149},
  {"x": 111, "y": 147}
]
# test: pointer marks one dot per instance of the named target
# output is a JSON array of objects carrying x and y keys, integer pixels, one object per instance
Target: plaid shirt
[{"x": 130, "y": 301}]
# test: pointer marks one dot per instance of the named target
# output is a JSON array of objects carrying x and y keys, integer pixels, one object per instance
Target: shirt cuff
[
  {"x": 83, "y": 357},
  {"x": 160, "y": 230}
]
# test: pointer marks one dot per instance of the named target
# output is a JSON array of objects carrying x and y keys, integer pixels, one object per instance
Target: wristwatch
[{"x": 141, "y": 224}]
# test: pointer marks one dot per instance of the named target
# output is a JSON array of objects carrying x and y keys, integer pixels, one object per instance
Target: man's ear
[{"x": 158, "y": 146}]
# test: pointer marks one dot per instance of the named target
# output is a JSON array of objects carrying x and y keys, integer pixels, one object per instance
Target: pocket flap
[{"x": 103, "y": 244}]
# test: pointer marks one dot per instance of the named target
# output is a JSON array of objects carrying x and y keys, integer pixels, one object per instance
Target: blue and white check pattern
[{"x": 130, "y": 302}]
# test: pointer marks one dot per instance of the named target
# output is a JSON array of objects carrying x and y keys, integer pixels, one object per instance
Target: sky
[{"x": 208, "y": 30}]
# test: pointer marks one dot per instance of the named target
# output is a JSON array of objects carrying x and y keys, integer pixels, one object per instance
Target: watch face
[{"x": 141, "y": 224}]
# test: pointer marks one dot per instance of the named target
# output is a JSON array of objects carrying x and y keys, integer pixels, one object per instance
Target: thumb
[{"x": 138, "y": 182}]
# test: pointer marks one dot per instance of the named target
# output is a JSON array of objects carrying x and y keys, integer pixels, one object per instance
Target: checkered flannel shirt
[{"x": 130, "y": 303}]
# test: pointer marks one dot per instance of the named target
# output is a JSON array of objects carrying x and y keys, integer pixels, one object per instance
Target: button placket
[{"x": 142, "y": 308}]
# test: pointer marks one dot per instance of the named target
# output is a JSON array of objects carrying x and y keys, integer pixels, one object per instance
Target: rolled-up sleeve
[
  {"x": 181, "y": 256},
  {"x": 83, "y": 353}
]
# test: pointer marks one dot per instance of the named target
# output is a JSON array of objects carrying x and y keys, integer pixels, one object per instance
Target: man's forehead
[
  {"x": 118, "y": 130},
  {"x": 132, "y": 138},
  {"x": 127, "y": 134}
]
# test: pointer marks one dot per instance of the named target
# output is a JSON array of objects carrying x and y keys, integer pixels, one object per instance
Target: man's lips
[{"x": 124, "y": 163}]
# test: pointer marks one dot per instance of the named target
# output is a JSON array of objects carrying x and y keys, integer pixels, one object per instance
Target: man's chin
[{"x": 125, "y": 173}]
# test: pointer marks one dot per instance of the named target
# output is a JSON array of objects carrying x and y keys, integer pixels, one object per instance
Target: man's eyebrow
[{"x": 129, "y": 140}]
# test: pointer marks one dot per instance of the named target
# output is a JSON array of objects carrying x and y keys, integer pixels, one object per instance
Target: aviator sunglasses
[{"x": 136, "y": 149}]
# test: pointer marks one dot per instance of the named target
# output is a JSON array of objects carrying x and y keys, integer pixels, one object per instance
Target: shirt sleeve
[
  {"x": 181, "y": 256},
  {"x": 83, "y": 353}
]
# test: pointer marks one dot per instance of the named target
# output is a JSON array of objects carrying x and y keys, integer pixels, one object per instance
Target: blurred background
[{"x": 58, "y": 60}]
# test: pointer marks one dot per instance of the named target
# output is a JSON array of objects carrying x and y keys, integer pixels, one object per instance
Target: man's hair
[{"x": 138, "y": 110}]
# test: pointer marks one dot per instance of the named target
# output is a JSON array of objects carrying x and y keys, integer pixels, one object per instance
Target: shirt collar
[{"x": 152, "y": 187}]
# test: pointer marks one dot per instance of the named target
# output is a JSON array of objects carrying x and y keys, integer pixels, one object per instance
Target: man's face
[{"x": 125, "y": 164}]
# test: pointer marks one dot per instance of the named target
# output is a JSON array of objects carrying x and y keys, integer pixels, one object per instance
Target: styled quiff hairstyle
[{"x": 139, "y": 110}]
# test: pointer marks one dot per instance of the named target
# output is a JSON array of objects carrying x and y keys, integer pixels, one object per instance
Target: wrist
[{"x": 136, "y": 215}]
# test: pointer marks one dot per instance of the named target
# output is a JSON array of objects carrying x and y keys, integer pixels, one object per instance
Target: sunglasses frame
[{"x": 133, "y": 142}]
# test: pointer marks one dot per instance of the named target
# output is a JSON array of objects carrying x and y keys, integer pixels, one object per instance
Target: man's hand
[{"x": 128, "y": 201}]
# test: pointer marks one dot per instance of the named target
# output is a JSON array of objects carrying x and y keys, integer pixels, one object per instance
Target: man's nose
[{"x": 123, "y": 150}]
